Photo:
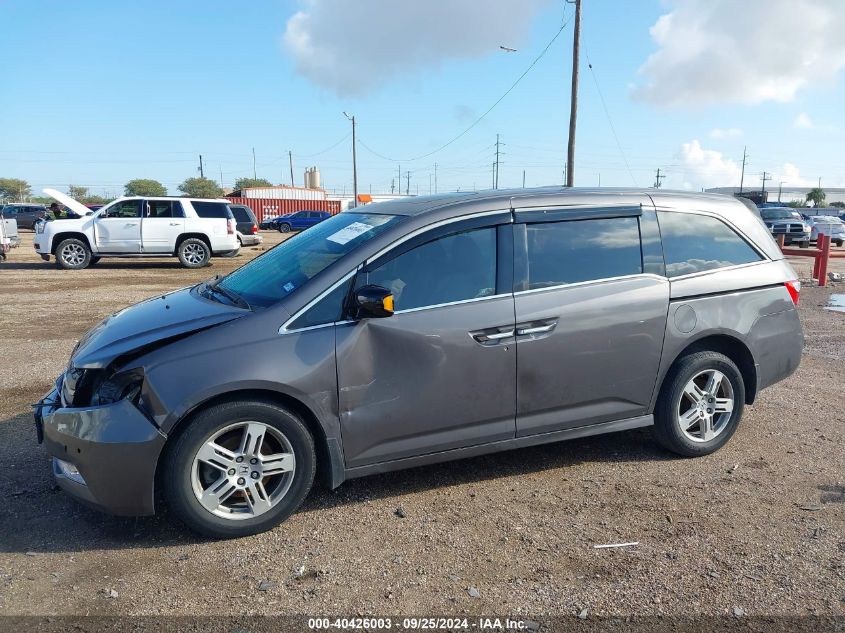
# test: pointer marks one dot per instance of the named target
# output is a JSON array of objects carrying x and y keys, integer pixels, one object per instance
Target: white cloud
[
  {"x": 730, "y": 132},
  {"x": 352, "y": 47},
  {"x": 802, "y": 121},
  {"x": 706, "y": 168},
  {"x": 712, "y": 51},
  {"x": 790, "y": 175}
]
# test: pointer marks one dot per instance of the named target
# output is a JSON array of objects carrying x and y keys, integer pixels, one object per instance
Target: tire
[
  {"x": 838, "y": 242},
  {"x": 194, "y": 253},
  {"x": 73, "y": 254},
  {"x": 284, "y": 227},
  {"x": 676, "y": 409},
  {"x": 805, "y": 244},
  {"x": 243, "y": 511}
]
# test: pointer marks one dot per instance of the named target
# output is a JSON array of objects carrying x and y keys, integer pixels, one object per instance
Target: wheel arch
[
  {"x": 185, "y": 236},
  {"x": 58, "y": 238},
  {"x": 330, "y": 464},
  {"x": 730, "y": 346}
]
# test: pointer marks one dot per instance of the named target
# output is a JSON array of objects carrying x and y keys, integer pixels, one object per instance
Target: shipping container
[
  {"x": 265, "y": 208},
  {"x": 283, "y": 193}
]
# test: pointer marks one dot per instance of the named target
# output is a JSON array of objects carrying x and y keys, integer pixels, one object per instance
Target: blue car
[{"x": 300, "y": 220}]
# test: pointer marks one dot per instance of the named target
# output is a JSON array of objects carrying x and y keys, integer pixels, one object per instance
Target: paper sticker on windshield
[
  {"x": 349, "y": 233},
  {"x": 288, "y": 287}
]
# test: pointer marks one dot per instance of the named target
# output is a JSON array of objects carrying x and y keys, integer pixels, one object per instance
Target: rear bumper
[
  {"x": 251, "y": 240},
  {"x": 114, "y": 448},
  {"x": 777, "y": 341}
]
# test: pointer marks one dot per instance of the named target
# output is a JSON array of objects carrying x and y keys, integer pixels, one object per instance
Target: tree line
[{"x": 16, "y": 189}]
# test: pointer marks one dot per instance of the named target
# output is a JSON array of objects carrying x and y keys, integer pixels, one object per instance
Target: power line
[
  {"x": 480, "y": 118},
  {"x": 328, "y": 149}
]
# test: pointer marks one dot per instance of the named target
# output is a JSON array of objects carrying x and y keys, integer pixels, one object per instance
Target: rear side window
[
  {"x": 453, "y": 268},
  {"x": 582, "y": 250},
  {"x": 241, "y": 214},
  {"x": 212, "y": 209},
  {"x": 694, "y": 243},
  {"x": 164, "y": 209}
]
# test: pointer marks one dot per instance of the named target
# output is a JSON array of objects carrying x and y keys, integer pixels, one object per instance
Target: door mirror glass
[{"x": 373, "y": 302}]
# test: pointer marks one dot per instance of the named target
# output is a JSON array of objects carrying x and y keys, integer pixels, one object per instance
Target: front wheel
[
  {"x": 194, "y": 253},
  {"x": 700, "y": 404},
  {"x": 240, "y": 468},
  {"x": 284, "y": 227},
  {"x": 838, "y": 242},
  {"x": 73, "y": 254}
]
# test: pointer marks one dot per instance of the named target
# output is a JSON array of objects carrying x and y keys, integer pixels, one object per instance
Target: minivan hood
[
  {"x": 76, "y": 206},
  {"x": 163, "y": 317}
]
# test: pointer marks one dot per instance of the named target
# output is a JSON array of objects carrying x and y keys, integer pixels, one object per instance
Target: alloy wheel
[
  {"x": 73, "y": 255},
  {"x": 243, "y": 470},
  {"x": 706, "y": 406},
  {"x": 194, "y": 253}
]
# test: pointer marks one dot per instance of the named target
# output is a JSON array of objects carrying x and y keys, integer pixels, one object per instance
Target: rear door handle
[
  {"x": 174, "y": 224},
  {"x": 537, "y": 327},
  {"x": 131, "y": 224}
]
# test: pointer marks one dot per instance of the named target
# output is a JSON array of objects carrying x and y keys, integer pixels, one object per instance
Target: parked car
[
  {"x": 787, "y": 222},
  {"x": 827, "y": 225},
  {"x": 300, "y": 220},
  {"x": 268, "y": 224},
  {"x": 192, "y": 229},
  {"x": 25, "y": 214},
  {"x": 246, "y": 224},
  {"x": 401, "y": 323},
  {"x": 9, "y": 238}
]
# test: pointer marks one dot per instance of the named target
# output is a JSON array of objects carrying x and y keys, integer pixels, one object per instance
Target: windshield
[
  {"x": 779, "y": 214},
  {"x": 279, "y": 272},
  {"x": 826, "y": 219}
]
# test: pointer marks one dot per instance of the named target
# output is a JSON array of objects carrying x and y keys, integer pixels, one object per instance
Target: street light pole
[{"x": 351, "y": 117}]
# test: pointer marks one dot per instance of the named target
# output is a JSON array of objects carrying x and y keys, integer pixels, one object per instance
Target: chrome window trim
[
  {"x": 454, "y": 303},
  {"x": 719, "y": 270},
  {"x": 578, "y": 284},
  {"x": 283, "y": 329}
]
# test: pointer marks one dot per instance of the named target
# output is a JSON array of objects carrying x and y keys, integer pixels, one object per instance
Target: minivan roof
[{"x": 552, "y": 195}]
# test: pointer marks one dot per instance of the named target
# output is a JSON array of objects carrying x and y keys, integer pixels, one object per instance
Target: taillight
[
  {"x": 254, "y": 229},
  {"x": 230, "y": 226},
  {"x": 794, "y": 289}
]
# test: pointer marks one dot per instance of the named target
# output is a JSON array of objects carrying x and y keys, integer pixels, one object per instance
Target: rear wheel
[
  {"x": 194, "y": 253},
  {"x": 240, "y": 468},
  {"x": 284, "y": 227},
  {"x": 700, "y": 404},
  {"x": 73, "y": 254},
  {"x": 838, "y": 242}
]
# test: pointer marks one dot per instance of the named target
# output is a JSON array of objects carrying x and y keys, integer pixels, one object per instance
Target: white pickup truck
[{"x": 192, "y": 229}]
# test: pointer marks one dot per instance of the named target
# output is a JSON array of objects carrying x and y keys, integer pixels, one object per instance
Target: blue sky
[{"x": 98, "y": 93}]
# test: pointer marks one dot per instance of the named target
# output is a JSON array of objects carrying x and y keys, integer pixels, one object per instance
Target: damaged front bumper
[{"x": 104, "y": 456}]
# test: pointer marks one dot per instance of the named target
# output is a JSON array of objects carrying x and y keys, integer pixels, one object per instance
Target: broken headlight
[{"x": 119, "y": 386}]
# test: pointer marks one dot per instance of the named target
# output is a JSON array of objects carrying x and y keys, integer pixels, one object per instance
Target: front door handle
[
  {"x": 174, "y": 224},
  {"x": 488, "y": 337},
  {"x": 131, "y": 224}
]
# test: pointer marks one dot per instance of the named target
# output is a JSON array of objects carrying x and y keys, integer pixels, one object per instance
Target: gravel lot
[{"x": 757, "y": 529}]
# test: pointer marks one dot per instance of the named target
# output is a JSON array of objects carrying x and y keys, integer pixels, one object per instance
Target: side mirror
[{"x": 373, "y": 302}]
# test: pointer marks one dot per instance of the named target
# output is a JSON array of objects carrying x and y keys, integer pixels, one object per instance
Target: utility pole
[
  {"x": 220, "y": 167},
  {"x": 744, "y": 158},
  {"x": 429, "y": 184},
  {"x": 254, "y": 175},
  {"x": 290, "y": 158},
  {"x": 658, "y": 178},
  {"x": 408, "y": 186},
  {"x": 764, "y": 178},
  {"x": 435, "y": 177},
  {"x": 573, "y": 106},
  {"x": 496, "y": 173},
  {"x": 523, "y": 179},
  {"x": 354, "y": 204},
  {"x": 392, "y": 185},
  {"x": 780, "y": 189},
  {"x": 202, "y": 175},
  {"x": 399, "y": 182}
]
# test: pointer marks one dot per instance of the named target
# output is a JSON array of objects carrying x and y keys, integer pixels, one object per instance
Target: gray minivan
[{"x": 428, "y": 329}]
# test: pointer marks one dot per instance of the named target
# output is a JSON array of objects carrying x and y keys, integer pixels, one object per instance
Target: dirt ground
[{"x": 757, "y": 528}]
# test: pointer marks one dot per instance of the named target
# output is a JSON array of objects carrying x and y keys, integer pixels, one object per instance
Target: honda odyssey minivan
[{"x": 417, "y": 331}]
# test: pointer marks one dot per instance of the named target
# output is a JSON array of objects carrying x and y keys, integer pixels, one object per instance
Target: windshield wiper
[{"x": 213, "y": 286}]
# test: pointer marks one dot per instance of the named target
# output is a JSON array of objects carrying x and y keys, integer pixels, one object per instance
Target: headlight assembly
[{"x": 120, "y": 386}]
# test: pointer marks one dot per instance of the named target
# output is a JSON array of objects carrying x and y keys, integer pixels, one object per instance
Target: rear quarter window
[
  {"x": 241, "y": 214},
  {"x": 694, "y": 243},
  {"x": 212, "y": 209}
]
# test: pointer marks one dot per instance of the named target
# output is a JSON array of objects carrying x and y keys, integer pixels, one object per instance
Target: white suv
[{"x": 192, "y": 229}]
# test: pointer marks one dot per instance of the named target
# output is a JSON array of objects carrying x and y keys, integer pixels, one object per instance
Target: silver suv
[{"x": 418, "y": 331}]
